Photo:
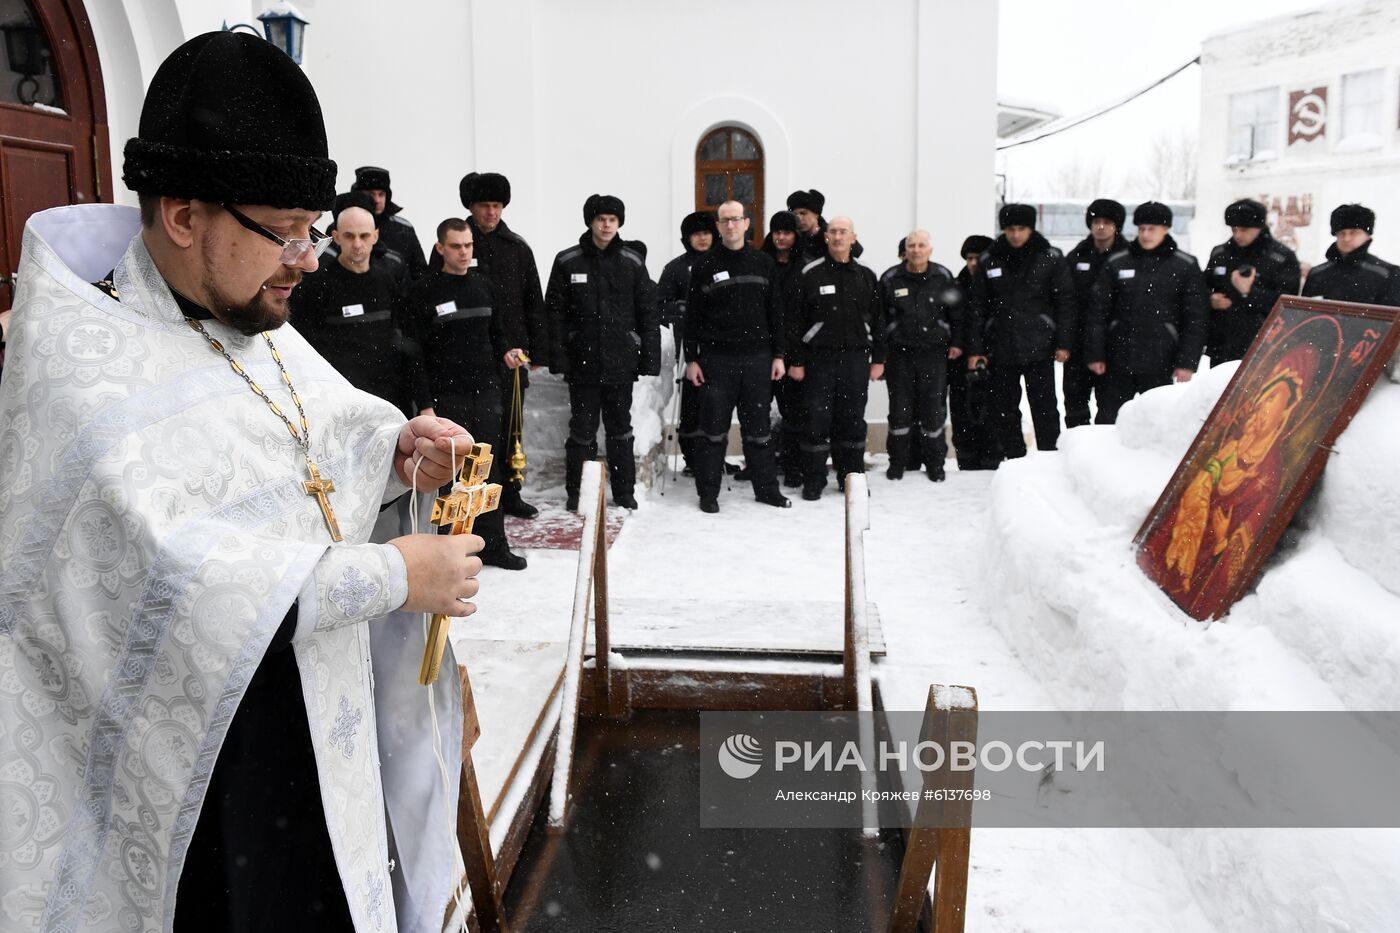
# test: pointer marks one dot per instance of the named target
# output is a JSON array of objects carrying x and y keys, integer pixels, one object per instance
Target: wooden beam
[{"x": 941, "y": 835}]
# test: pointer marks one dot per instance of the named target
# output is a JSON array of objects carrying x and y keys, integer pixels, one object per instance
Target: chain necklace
[{"x": 316, "y": 486}]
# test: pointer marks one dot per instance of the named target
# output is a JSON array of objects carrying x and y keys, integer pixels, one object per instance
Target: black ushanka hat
[
  {"x": 1247, "y": 213},
  {"x": 1353, "y": 217},
  {"x": 230, "y": 118},
  {"x": 484, "y": 186}
]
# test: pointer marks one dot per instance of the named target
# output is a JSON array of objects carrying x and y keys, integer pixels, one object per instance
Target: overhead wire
[{"x": 1054, "y": 128}]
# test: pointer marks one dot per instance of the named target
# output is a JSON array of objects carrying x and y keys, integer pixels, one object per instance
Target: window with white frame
[
  {"x": 1362, "y": 96},
  {"x": 1254, "y": 125}
]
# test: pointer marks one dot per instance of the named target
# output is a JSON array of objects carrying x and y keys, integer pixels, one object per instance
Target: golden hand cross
[{"x": 471, "y": 495}]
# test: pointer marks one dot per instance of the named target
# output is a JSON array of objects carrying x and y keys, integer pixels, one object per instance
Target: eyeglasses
[
  {"x": 727, "y": 221},
  {"x": 293, "y": 250}
]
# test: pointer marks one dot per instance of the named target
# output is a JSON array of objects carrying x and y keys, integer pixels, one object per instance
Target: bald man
[
  {"x": 839, "y": 348},
  {"x": 346, "y": 310},
  {"x": 923, "y": 308}
]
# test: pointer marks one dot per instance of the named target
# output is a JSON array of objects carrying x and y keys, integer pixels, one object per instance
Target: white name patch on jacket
[
  {"x": 901, "y": 292},
  {"x": 993, "y": 273},
  {"x": 828, "y": 289},
  {"x": 1126, "y": 273},
  {"x": 1219, "y": 270},
  {"x": 352, "y": 310},
  {"x": 721, "y": 276},
  {"x": 578, "y": 278},
  {"x": 447, "y": 307},
  {"x": 1082, "y": 266}
]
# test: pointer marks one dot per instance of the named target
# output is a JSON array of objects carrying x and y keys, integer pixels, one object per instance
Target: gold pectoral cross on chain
[
  {"x": 471, "y": 495},
  {"x": 318, "y": 487}
]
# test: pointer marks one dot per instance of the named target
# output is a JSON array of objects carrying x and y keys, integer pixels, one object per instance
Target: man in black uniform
[
  {"x": 1351, "y": 273},
  {"x": 395, "y": 232},
  {"x": 507, "y": 261},
  {"x": 1148, "y": 323},
  {"x": 453, "y": 317},
  {"x": 840, "y": 350},
  {"x": 379, "y": 257},
  {"x": 973, "y": 438},
  {"x": 346, "y": 310},
  {"x": 807, "y": 207},
  {"x": 780, "y": 244},
  {"x": 698, "y": 232},
  {"x": 603, "y": 333},
  {"x": 1023, "y": 300},
  {"x": 922, "y": 307},
  {"x": 734, "y": 353},
  {"x": 1104, "y": 218},
  {"x": 1245, "y": 276}
]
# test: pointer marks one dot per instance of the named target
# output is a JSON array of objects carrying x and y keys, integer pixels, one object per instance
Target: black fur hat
[
  {"x": 812, "y": 200},
  {"x": 230, "y": 118},
  {"x": 1016, "y": 215},
  {"x": 1108, "y": 209},
  {"x": 1246, "y": 213},
  {"x": 783, "y": 220},
  {"x": 698, "y": 222},
  {"x": 1353, "y": 216},
  {"x": 373, "y": 178},
  {"x": 484, "y": 186},
  {"x": 975, "y": 245},
  {"x": 604, "y": 204},
  {"x": 1152, "y": 212}
]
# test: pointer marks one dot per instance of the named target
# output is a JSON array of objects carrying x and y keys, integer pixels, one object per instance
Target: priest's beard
[{"x": 266, "y": 310}]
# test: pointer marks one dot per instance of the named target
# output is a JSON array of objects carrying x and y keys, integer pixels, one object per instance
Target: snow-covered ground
[{"x": 1021, "y": 583}]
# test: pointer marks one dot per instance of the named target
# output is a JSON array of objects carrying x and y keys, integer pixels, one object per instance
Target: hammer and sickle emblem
[{"x": 1311, "y": 113}]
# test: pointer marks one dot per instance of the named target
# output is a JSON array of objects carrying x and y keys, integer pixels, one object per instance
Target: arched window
[{"x": 729, "y": 167}]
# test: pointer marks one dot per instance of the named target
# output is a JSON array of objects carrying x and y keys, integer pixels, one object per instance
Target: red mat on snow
[{"x": 558, "y": 528}]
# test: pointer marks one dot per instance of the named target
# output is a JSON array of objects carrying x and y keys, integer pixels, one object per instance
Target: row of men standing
[
  {"x": 1125, "y": 317},
  {"x": 800, "y": 320}
]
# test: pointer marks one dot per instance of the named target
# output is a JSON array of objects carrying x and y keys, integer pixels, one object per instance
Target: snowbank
[{"x": 1320, "y": 631}]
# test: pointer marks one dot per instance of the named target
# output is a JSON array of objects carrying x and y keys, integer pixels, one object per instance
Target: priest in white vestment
[{"x": 187, "y": 719}]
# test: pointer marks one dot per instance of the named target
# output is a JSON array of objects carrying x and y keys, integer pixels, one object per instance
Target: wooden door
[
  {"x": 729, "y": 167},
  {"x": 53, "y": 119}
]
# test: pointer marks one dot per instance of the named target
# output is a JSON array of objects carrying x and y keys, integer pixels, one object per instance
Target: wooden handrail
[
  {"x": 860, "y": 691},
  {"x": 942, "y": 833},
  {"x": 591, "y": 579}
]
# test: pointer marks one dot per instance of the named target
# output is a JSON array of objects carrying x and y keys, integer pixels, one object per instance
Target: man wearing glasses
[
  {"x": 734, "y": 354},
  {"x": 191, "y": 489}
]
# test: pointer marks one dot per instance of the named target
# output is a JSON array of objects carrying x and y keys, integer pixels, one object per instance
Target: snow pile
[{"x": 1320, "y": 631}]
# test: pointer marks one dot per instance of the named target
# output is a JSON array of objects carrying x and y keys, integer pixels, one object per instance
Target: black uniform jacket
[
  {"x": 602, "y": 314},
  {"x": 1023, "y": 302},
  {"x": 1085, "y": 263},
  {"x": 1149, "y": 311},
  {"x": 1275, "y": 273},
  {"x": 1357, "y": 276},
  {"x": 733, "y": 305},
  {"x": 454, "y": 320},
  {"x": 352, "y": 319},
  {"x": 923, "y": 310},
  {"x": 834, "y": 306}
]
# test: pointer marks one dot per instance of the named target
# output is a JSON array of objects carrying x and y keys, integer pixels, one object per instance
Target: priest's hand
[
  {"x": 430, "y": 443},
  {"x": 442, "y": 572}
]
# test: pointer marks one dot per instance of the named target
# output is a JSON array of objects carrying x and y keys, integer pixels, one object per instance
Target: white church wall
[{"x": 889, "y": 110}]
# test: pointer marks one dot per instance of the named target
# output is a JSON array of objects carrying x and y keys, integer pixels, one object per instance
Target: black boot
[
  {"x": 709, "y": 505},
  {"x": 575, "y": 455},
  {"x": 899, "y": 447},
  {"x": 504, "y": 558},
  {"x": 774, "y": 498},
  {"x": 622, "y": 471},
  {"x": 513, "y": 505}
]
